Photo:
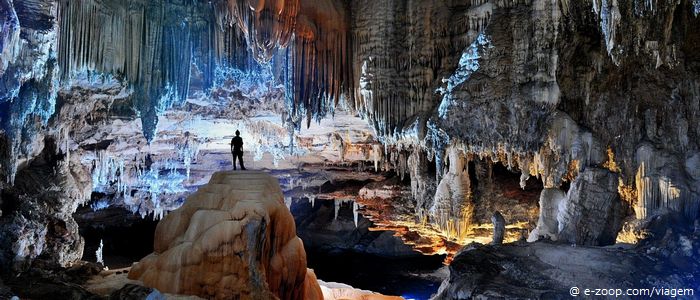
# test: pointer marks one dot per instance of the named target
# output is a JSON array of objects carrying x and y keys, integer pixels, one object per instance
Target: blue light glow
[
  {"x": 468, "y": 64},
  {"x": 253, "y": 82},
  {"x": 144, "y": 191},
  {"x": 34, "y": 99}
]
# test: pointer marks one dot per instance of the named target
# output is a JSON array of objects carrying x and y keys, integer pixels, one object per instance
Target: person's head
[{"x": 238, "y": 133}]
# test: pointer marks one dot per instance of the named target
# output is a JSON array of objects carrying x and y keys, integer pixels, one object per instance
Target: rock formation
[
  {"x": 591, "y": 212},
  {"x": 37, "y": 221},
  {"x": 234, "y": 237},
  {"x": 499, "y": 228},
  {"x": 546, "y": 270}
]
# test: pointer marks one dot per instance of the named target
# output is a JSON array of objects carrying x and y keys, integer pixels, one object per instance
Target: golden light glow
[
  {"x": 438, "y": 235},
  {"x": 610, "y": 163},
  {"x": 627, "y": 192},
  {"x": 629, "y": 235}
]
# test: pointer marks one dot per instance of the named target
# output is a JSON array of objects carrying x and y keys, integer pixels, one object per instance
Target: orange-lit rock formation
[{"x": 233, "y": 238}]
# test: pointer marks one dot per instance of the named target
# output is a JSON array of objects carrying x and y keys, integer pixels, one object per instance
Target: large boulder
[
  {"x": 593, "y": 211},
  {"x": 234, "y": 238}
]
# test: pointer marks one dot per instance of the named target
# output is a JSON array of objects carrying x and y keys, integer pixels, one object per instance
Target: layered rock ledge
[{"x": 233, "y": 238}]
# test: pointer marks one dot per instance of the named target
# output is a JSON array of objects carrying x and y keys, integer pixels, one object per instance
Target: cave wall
[{"x": 551, "y": 88}]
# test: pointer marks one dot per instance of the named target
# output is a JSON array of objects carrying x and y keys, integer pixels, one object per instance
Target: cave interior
[{"x": 394, "y": 149}]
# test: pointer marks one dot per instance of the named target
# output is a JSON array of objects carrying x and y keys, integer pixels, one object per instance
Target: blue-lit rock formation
[
  {"x": 28, "y": 83},
  {"x": 9, "y": 38}
]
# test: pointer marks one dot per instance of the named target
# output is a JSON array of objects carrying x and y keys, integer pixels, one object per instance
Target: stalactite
[
  {"x": 657, "y": 190},
  {"x": 148, "y": 44},
  {"x": 266, "y": 25},
  {"x": 318, "y": 61},
  {"x": 609, "y": 16}
]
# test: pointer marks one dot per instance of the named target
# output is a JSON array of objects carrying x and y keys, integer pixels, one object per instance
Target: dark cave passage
[
  {"x": 412, "y": 278},
  {"x": 126, "y": 237},
  {"x": 337, "y": 250}
]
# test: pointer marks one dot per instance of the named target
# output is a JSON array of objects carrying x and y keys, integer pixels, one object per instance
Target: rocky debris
[
  {"x": 234, "y": 237},
  {"x": 548, "y": 270},
  {"x": 46, "y": 280},
  {"x": 499, "y": 228},
  {"x": 5, "y": 292},
  {"x": 136, "y": 292},
  {"x": 37, "y": 219}
]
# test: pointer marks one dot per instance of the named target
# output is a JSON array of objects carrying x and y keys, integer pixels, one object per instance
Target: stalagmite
[
  {"x": 98, "y": 254},
  {"x": 452, "y": 208},
  {"x": 288, "y": 202},
  {"x": 548, "y": 223},
  {"x": 336, "y": 208},
  {"x": 499, "y": 228},
  {"x": 355, "y": 214}
]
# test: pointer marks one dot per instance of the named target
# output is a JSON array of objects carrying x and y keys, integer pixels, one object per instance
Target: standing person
[{"x": 237, "y": 149}]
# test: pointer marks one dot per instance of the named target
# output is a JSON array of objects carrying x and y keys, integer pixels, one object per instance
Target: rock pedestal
[{"x": 232, "y": 239}]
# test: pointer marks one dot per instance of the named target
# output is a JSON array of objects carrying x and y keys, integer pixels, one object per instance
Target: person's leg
[
  {"x": 233, "y": 160},
  {"x": 240, "y": 158}
]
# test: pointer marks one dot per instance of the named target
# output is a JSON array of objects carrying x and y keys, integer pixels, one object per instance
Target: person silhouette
[{"x": 237, "y": 149}]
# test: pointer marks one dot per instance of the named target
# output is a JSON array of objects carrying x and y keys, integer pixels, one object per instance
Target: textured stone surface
[
  {"x": 234, "y": 237},
  {"x": 553, "y": 90},
  {"x": 592, "y": 212},
  {"x": 499, "y": 228},
  {"x": 548, "y": 224},
  {"x": 339, "y": 291},
  {"x": 135, "y": 292},
  {"x": 37, "y": 220},
  {"x": 544, "y": 270}
]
